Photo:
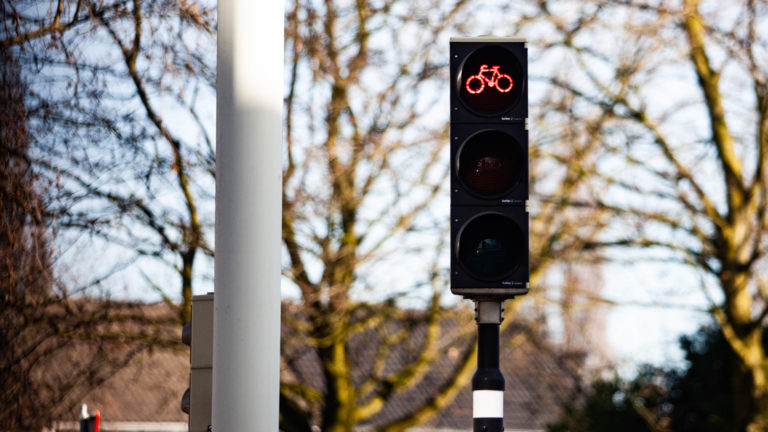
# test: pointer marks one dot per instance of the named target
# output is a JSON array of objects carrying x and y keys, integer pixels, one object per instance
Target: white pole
[{"x": 249, "y": 101}]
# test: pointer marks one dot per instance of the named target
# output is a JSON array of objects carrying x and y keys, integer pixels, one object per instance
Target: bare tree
[
  {"x": 118, "y": 130},
  {"x": 363, "y": 168},
  {"x": 683, "y": 91},
  {"x": 366, "y": 165},
  {"x": 103, "y": 137},
  {"x": 116, "y": 90},
  {"x": 25, "y": 273},
  {"x": 53, "y": 349}
]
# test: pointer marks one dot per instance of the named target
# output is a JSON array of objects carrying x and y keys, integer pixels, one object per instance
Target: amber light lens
[
  {"x": 489, "y": 246},
  {"x": 490, "y": 163}
]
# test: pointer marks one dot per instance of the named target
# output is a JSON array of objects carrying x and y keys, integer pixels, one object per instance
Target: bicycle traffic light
[{"x": 489, "y": 161}]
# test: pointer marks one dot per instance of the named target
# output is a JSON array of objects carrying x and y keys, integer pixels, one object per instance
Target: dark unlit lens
[
  {"x": 490, "y": 163},
  {"x": 489, "y": 246}
]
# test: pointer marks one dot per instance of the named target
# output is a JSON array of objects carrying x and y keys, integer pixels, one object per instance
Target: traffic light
[{"x": 489, "y": 161}]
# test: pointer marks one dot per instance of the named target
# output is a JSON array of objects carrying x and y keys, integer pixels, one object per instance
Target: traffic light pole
[
  {"x": 488, "y": 381},
  {"x": 489, "y": 196}
]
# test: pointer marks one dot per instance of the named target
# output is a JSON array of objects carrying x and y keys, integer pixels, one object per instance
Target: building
[{"x": 146, "y": 394}]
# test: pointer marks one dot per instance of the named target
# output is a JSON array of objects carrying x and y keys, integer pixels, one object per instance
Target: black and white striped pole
[{"x": 488, "y": 381}]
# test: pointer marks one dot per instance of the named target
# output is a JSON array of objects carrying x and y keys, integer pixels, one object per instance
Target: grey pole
[{"x": 249, "y": 100}]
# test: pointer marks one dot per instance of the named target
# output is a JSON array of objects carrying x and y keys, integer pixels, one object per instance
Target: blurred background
[{"x": 649, "y": 234}]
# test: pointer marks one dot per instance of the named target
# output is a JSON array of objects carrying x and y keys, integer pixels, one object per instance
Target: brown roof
[
  {"x": 138, "y": 371},
  {"x": 149, "y": 389},
  {"x": 538, "y": 379}
]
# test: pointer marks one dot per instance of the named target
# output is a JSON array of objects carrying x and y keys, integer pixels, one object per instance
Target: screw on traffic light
[{"x": 489, "y": 175}]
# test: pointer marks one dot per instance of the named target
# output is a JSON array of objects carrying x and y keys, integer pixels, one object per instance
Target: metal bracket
[{"x": 489, "y": 311}]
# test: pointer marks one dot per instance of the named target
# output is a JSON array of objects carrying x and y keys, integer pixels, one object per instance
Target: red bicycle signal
[{"x": 476, "y": 83}]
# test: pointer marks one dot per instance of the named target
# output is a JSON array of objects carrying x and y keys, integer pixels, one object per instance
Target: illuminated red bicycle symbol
[{"x": 476, "y": 83}]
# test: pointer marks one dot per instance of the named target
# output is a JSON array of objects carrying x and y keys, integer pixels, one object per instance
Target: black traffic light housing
[{"x": 489, "y": 167}]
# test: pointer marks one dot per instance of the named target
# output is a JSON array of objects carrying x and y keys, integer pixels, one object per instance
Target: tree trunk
[{"x": 750, "y": 401}]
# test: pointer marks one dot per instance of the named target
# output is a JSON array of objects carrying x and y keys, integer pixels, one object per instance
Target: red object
[
  {"x": 476, "y": 83},
  {"x": 90, "y": 424}
]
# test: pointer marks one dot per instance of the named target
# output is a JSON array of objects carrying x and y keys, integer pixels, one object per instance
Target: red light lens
[
  {"x": 490, "y": 77},
  {"x": 491, "y": 80}
]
